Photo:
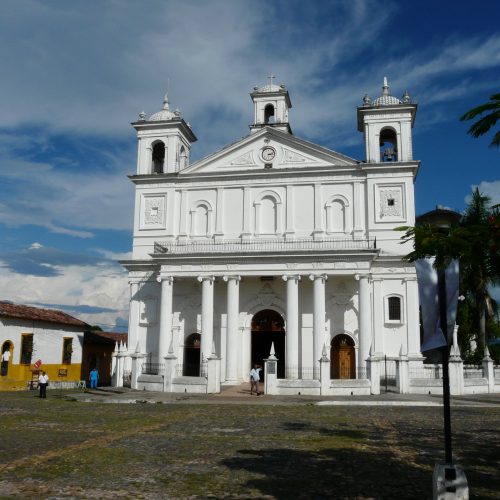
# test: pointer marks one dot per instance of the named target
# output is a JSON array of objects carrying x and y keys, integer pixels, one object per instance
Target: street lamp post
[{"x": 449, "y": 481}]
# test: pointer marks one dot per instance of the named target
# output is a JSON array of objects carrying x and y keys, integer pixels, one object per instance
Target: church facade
[{"x": 272, "y": 245}]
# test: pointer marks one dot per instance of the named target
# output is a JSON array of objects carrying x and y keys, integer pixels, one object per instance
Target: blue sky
[{"x": 76, "y": 73}]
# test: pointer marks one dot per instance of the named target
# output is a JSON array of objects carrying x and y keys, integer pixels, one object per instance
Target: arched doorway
[
  {"x": 343, "y": 357},
  {"x": 267, "y": 327},
  {"x": 5, "y": 357},
  {"x": 191, "y": 367}
]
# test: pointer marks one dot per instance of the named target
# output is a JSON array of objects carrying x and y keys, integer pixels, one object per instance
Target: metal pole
[{"x": 445, "y": 357}]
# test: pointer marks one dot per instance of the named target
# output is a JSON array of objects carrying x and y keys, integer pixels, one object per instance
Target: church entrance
[
  {"x": 191, "y": 367},
  {"x": 343, "y": 357},
  {"x": 267, "y": 327}
]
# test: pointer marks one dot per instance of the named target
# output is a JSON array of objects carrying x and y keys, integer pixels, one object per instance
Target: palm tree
[
  {"x": 475, "y": 241},
  {"x": 483, "y": 125},
  {"x": 478, "y": 265}
]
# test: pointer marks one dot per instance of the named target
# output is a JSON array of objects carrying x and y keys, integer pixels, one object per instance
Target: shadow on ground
[{"x": 332, "y": 473}]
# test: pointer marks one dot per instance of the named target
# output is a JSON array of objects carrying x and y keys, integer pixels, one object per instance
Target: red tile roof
[
  {"x": 94, "y": 335},
  {"x": 10, "y": 310}
]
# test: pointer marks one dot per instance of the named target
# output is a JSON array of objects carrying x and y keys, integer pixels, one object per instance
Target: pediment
[{"x": 289, "y": 152}]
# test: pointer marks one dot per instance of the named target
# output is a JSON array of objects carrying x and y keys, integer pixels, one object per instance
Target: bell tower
[
  {"x": 164, "y": 141},
  {"x": 271, "y": 105},
  {"x": 387, "y": 123}
]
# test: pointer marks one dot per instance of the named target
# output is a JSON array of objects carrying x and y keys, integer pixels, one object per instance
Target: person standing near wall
[
  {"x": 94, "y": 377},
  {"x": 5, "y": 361},
  {"x": 43, "y": 382}
]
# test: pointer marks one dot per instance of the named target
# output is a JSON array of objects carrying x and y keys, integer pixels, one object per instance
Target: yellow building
[{"x": 33, "y": 339}]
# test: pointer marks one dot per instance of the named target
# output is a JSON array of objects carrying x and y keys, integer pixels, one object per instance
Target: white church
[{"x": 273, "y": 248}]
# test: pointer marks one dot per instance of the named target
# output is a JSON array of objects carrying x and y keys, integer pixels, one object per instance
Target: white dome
[
  {"x": 164, "y": 113},
  {"x": 270, "y": 87},
  {"x": 385, "y": 100}
]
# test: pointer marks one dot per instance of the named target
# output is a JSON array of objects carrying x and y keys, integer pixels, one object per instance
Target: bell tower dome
[
  {"x": 387, "y": 123},
  {"x": 271, "y": 105},
  {"x": 164, "y": 141}
]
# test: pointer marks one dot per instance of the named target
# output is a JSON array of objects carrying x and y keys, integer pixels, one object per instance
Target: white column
[
  {"x": 219, "y": 214},
  {"x": 183, "y": 212},
  {"x": 165, "y": 316},
  {"x": 364, "y": 319},
  {"x": 232, "y": 344},
  {"x": 412, "y": 317},
  {"x": 292, "y": 326},
  {"x": 378, "y": 317},
  {"x": 318, "y": 319},
  {"x": 318, "y": 207},
  {"x": 133, "y": 316},
  {"x": 290, "y": 206},
  {"x": 247, "y": 207},
  {"x": 207, "y": 315}
]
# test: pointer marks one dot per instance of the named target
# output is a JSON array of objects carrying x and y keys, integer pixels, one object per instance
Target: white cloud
[
  {"x": 488, "y": 188},
  {"x": 76, "y": 285}
]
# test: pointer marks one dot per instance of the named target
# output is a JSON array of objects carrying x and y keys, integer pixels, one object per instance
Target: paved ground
[
  {"x": 241, "y": 395},
  {"x": 235, "y": 445}
]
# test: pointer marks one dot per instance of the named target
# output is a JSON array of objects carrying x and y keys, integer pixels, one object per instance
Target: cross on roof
[{"x": 271, "y": 77}]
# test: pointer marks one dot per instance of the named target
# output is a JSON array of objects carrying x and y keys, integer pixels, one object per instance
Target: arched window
[
  {"x": 388, "y": 145},
  {"x": 158, "y": 159},
  {"x": 268, "y": 214},
  {"x": 269, "y": 114},
  {"x": 183, "y": 158},
  {"x": 337, "y": 215},
  {"x": 201, "y": 219},
  {"x": 393, "y": 309}
]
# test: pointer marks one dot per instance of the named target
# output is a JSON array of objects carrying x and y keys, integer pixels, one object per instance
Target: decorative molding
[
  {"x": 153, "y": 213},
  {"x": 244, "y": 159},
  {"x": 290, "y": 156}
]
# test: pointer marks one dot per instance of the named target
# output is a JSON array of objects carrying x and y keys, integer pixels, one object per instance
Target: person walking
[
  {"x": 43, "y": 382},
  {"x": 254, "y": 379},
  {"x": 94, "y": 377}
]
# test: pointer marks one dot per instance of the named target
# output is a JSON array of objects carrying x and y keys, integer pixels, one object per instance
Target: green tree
[
  {"x": 484, "y": 124},
  {"x": 475, "y": 241}
]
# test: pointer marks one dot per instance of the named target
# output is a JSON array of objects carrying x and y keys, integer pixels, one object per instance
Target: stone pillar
[
  {"x": 324, "y": 364},
  {"x": 488, "y": 370},
  {"x": 213, "y": 374},
  {"x": 318, "y": 319},
  {"x": 378, "y": 317},
  {"x": 364, "y": 319},
  {"x": 456, "y": 372},
  {"x": 207, "y": 315},
  {"x": 270, "y": 373},
  {"x": 120, "y": 361},
  {"x": 374, "y": 371},
  {"x": 232, "y": 344},
  {"x": 403, "y": 373},
  {"x": 292, "y": 326},
  {"x": 412, "y": 318},
  {"x": 137, "y": 358},
  {"x": 165, "y": 336}
]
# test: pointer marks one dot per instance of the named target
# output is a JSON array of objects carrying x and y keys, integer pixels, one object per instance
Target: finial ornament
[
  {"x": 166, "y": 102},
  {"x": 406, "y": 97},
  {"x": 385, "y": 87},
  {"x": 366, "y": 100},
  {"x": 142, "y": 116}
]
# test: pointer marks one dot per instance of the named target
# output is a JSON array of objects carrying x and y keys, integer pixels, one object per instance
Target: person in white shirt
[
  {"x": 254, "y": 379},
  {"x": 5, "y": 361},
  {"x": 43, "y": 382}
]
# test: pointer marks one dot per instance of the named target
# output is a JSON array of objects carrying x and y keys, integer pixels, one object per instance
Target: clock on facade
[{"x": 268, "y": 153}]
